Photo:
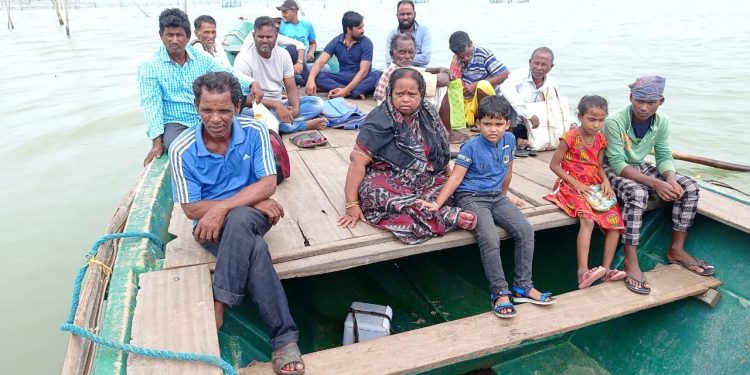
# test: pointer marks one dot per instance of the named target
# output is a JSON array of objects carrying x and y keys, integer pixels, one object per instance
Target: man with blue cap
[{"x": 632, "y": 133}]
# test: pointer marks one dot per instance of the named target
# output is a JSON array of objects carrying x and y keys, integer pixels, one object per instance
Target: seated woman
[{"x": 402, "y": 155}]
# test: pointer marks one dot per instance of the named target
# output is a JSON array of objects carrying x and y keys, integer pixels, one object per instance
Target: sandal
[
  {"x": 521, "y": 152},
  {"x": 708, "y": 270},
  {"x": 318, "y": 139},
  {"x": 468, "y": 224},
  {"x": 521, "y": 294},
  {"x": 497, "y": 308},
  {"x": 640, "y": 284},
  {"x": 614, "y": 275},
  {"x": 286, "y": 355},
  {"x": 304, "y": 140},
  {"x": 590, "y": 276}
]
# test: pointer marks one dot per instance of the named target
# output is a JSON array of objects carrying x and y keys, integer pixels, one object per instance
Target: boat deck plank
[
  {"x": 174, "y": 311},
  {"x": 447, "y": 343},
  {"x": 724, "y": 210}
]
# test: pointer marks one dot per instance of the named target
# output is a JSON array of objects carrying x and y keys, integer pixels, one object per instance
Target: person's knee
[
  {"x": 689, "y": 186},
  {"x": 244, "y": 217},
  {"x": 637, "y": 196},
  {"x": 587, "y": 223}
]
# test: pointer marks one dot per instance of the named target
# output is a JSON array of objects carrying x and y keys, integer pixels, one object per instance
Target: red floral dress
[{"x": 580, "y": 161}]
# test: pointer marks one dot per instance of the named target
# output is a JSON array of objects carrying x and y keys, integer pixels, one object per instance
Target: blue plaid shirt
[{"x": 167, "y": 88}]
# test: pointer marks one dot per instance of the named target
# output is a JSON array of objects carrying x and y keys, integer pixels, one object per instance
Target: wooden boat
[{"x": 441, "y": 322}]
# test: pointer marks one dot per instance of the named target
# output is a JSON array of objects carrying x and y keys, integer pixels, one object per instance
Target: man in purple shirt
[{"x": 354, "y": 53}]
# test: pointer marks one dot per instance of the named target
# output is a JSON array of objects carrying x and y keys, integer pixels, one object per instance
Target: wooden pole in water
[
  {"x": 10, "y": 21},
  {"x": 67, "y": 22},
  {"x": 710, "y": 162},
  {"x": 56, "y": 5}
]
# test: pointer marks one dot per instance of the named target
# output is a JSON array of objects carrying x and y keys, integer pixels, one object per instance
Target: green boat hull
[{"x": 681, "y": 337}]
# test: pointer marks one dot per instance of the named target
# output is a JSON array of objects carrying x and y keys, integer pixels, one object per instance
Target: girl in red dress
[{"x": 578, "y": 164}]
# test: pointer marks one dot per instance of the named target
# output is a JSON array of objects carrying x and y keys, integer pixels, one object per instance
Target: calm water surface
[{"x": 74, "y": 136}]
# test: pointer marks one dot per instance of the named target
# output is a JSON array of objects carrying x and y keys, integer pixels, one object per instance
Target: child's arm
[
  {"x": 606, "y": 187},
  {"x": 556, "y": 167},
  {"x": 450, "y": 186}
]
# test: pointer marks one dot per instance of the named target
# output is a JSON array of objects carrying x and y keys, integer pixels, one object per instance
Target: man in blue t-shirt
[
  {"x": 296, "y": 28},
  {"x": 223, "y": 175},
  {"x": 354, "y": 53}
]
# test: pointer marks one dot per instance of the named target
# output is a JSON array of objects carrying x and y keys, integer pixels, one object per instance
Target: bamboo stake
[
  {"x": 80, "y": 355},
  {"x": 56, "y": 5},
  {"x": 10, "y": 21},
  {"x": 67, "y": 22}
]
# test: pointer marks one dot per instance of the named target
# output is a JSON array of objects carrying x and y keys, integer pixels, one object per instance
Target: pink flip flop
[
  {"x": 614, "y": 275},
  {"x": 592, "y": 275}
]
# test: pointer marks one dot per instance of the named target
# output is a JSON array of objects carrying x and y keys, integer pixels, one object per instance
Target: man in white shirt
[
  {"x": 205, "y": 39},
  {"x": 294, "y": 47},
  {"x": 270, "y": 65},
  {"x": 533, "y": 84}
]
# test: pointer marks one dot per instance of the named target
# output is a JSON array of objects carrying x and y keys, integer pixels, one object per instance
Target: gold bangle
[{"x": 351, "y": 204}]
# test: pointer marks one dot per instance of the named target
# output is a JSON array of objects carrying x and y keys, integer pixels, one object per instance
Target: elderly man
[
  {"x": 481, "y": 74},
  {"x": 270, "y": 65},
  {"x": 205, "y": 39},
  {"x": 223, "y": 175},
  {"x": 407, "y": 24},
  {"x": 530, "y": 85},
  {"x": 632, "y": 133},
  {"x": 402, "y": 52},
  {"x": 354, "y": 52},
  {"x": 165, "y": 82}
]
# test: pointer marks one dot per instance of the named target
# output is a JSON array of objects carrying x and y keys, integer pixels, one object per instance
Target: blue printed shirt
[
  {"x": 198, "y": 174},
  {"x": 486, "y": 163},
  {"x": 167, "y": 88},
  {"x": 423, "y": 38},
  {"x": 483, "y": 65},
  {"x": 349, "y": 58},
  {"x": 302, "y": 31}
]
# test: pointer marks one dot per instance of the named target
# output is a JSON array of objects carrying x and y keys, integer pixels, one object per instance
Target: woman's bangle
[{"x": 351, "y": 204}]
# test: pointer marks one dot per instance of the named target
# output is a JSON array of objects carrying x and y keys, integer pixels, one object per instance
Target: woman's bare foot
[{"x": 316, "y": 124}]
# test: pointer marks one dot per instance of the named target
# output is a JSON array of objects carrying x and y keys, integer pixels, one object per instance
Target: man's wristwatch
[{"x": 300, "y": 62}]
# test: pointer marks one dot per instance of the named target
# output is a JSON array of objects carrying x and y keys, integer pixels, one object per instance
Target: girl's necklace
[{"x": 588, "y": 142}]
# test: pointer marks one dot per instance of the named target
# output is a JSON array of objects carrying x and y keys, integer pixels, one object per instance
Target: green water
[{"x": 74, "y": 136}]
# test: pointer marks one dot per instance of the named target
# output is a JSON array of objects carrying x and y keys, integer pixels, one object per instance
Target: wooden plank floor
[
  {"x": 459, "y": 340},
  {"x": 307, "y": 240}
]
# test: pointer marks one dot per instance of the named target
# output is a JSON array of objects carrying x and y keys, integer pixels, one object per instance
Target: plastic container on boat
[{"x": 372, "y": 321}]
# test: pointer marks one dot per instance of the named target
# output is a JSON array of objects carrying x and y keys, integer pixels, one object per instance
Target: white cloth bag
[
  {"x": 265, "y": 115},
  {"x": 554, "y": 120}
]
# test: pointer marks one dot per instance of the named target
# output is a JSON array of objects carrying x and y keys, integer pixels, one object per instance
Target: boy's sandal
[
  {"x": 498, "y": 308},
  {"x": 288, "y": 354},
  {"x": 708, "y": 270},
  {"x": 614, "y": 275},
  {"x": 521, "y": 294},
  {"x": 521, "y": 152},
  {"x": 639, "y": 284}
]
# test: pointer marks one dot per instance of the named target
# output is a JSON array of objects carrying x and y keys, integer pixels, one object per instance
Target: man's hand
[
  {"x": 157, "y": 148},
  {"x": 311, "y": 88},
  {"x": 534, "y": 121},
  {"x": 339, "y": 92},
  {"x": 209, "y": 226},
  {"x": 255, "y": 95},
  {"x": 272, "y": 209},
  {"x": 676, "y": 187},
  {"x": 666, "y": 191},
  {"x": 285, "y": 114},
  {"x": 470, "y": 89},
  {"x": 310, "y": 56},
  {"x": 298, "y": 67}
]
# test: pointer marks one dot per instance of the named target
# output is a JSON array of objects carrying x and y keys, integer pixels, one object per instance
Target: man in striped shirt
[
  {"x": 166, "y": 80},
  {"x": 223, "y": 175},
  {"x": 481, "y": 74}
]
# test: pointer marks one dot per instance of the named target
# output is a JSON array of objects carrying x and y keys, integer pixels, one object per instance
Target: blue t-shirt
[
  {"x": 486, "y": 164},
  {"x": 349, "y": 58},
  {"x": 198, "y": 174},
  {"x": 302, "y": 31}
]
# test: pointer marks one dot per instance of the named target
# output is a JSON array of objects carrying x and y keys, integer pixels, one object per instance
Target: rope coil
[{"x": 69, "y": 326}]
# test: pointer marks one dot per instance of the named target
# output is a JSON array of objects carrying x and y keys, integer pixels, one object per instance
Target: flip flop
[
  {"x": 591, "y": 275},
  {"x": 708, "y": 270},
  {"x": 468, "y": 224},
  {"x": 614, "y": 275},
  {"x": 642, "y": 289},
  {"x": 304, "y": 140},
  {"x": 318, "y": 139}
]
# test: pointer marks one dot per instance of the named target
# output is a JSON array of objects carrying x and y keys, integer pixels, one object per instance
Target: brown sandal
[{"x": 288, "y": 354}]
